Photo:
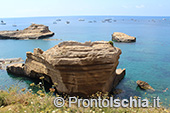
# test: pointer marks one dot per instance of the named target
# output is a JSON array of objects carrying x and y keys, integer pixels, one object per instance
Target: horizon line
[{"x": 86, "y": 15}]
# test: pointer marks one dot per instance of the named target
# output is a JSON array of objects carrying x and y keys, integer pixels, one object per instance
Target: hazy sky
[{"x": 31, "y": 8}]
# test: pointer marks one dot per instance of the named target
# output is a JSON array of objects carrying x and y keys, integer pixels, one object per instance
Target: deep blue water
[{"x": 148, "y": 59}]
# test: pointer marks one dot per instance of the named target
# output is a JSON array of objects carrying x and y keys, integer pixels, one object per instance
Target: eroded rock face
[
  {"x": 122, "y": 37},
  {"x": 77, "y": 68},
  {"x": 144, "y": 85},
  {"x": 34, "y": 31}
]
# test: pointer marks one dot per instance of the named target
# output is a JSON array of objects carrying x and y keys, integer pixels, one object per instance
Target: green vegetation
[
  {"x": 17, "y": 100},
  {"x": 111, "y": 42}
]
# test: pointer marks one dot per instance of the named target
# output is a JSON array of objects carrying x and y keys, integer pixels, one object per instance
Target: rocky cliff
[
  {"x": 34, "y": 31},
  {"x": 77, "y": 68}
]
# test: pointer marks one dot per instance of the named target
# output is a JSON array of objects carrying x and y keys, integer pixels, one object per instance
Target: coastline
[{"x": 146, "y": 51}]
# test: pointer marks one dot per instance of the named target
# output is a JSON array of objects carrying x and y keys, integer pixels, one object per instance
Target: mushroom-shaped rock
[{"x": 78, "y": 68}]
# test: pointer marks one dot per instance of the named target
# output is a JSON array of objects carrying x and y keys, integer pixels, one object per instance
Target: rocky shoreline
[{"x": 77, "y": 68}]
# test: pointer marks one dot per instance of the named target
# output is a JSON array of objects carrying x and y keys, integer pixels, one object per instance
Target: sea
[{"x": 148, "y": 59}]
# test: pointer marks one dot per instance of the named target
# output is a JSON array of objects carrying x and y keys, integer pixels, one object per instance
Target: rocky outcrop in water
[
  {"x": 122, "y": 37},
  {"x": 34, "y": 31},
  {"x": 144, "y": 85},
  {"x": 6, "y": 62},
  {"x": 17, "y": 69},
  {"x": 77, "y": 68}
]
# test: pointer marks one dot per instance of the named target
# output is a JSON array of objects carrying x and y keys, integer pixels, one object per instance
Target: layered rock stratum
[
  {"x": 77, "y": 68},
  {"x": 122, "y": 37},
  {"x": 34, "y": 31}
]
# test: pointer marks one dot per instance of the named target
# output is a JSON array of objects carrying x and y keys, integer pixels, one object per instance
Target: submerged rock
[
  {"x": 77, "y": 68},
  {"x": 34, "y": 31},
  {"x": 122, "y": 37},
  {"x": 52, "y": 39},
  {"x": 144, "y": 85},
  {"x": 117, "y": 91}
]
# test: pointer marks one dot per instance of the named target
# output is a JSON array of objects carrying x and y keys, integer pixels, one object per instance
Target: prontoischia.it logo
[{"x": 111, "y": 102}]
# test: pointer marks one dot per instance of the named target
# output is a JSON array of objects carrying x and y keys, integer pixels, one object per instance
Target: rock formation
[
  {"x": 34, "y": 31},
  {"x": 144, "y": 85},
  {"x": 17, "y": 68},
  {"x": 122, "y": 37},
  {"x": 77, "y": 68},
  {"x": 6, "y": 62}
]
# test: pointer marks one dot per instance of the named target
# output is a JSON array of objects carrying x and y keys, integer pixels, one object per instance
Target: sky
[{"x": 36, "y": 8}]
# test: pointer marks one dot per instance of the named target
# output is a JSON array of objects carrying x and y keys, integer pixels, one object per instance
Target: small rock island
[
  {"x": 78, "y": 68},
  {"x": 34, "y": 31},
  {"x": 144, "y": 85},
  {"x": 122, "y": 37}
]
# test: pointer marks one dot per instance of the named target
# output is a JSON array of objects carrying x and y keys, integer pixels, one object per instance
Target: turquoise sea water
[{"x": 148, "y": 59}]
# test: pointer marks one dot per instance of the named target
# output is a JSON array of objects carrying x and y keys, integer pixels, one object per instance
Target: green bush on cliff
[
  {"x": 2, "y": 99},
  {"x": 111, "y": 43}
]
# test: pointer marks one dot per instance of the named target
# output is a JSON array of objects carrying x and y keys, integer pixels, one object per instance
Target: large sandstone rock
[
  {"x": 122, "y": 37},
  {"x": 77, "y": 68},
  {"x": 144, "y": 85},
  {"x": 34, "y": 31}
]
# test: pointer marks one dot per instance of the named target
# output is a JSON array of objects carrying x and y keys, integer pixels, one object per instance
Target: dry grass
[{"x": 17, "y": 100}]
